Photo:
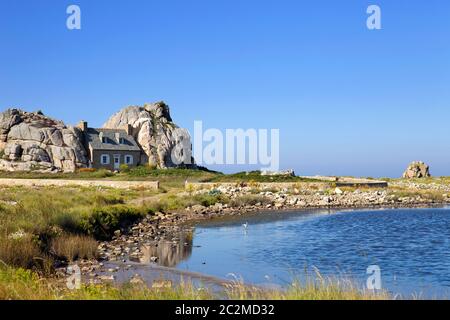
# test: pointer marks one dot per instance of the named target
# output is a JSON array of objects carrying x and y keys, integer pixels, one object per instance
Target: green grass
[
  {"x": 40, "y": 226},
  {"x": 256, "y": 177},
  {"x": 21, "y": 284},
  {"x": 171, "y": 177}
]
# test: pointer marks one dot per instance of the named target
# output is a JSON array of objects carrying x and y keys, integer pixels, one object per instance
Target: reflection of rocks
[
  {"x": 166, "y": 253},
  {"x": 155, "y": 239}
]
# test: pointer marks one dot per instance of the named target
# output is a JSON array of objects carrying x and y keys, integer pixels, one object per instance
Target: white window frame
[
  {"x": 129, "y": 157},
  {"x": 108, "y": 161}
]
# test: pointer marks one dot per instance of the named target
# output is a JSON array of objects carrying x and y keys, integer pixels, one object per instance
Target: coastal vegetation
[
  {"x": 44, "y": 228},
  {"x": 21, "y": 284},
  {"x": 172, "y": 176}
]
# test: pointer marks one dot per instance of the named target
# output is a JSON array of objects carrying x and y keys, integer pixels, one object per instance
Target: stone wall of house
[{"x": 97, "y": 154}]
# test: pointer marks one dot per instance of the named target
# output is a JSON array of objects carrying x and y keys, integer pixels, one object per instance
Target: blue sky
[{"x": 347, "y": 100}]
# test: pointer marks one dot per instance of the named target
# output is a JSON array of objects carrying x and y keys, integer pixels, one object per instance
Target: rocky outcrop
[
  {"x": 417, "y": 169},
  {"x": 32, "y": 141},
  {"x": 285, "y": 173},
  {"x": 164, "y": 143}
]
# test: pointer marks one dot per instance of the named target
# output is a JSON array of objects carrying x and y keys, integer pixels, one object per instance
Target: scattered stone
[
  {"x": 107, "y": 278},
  {"x": 137, "y": 280},
  {"x": 162, "y": 284}
]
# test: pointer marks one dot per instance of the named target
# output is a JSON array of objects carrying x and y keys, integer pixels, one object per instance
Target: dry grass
[
  {"x": 73, "y": 247},
  {"x": 313, "y": 289},
  {"x": 21, "y": 252},
  {"x": 51, "y": 223}
]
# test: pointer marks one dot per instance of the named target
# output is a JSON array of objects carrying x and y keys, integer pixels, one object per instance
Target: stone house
[{"x": 110, "y": 148}]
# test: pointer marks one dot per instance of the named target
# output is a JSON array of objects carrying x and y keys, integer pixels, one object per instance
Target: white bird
[{"x": 245, "y": 225}]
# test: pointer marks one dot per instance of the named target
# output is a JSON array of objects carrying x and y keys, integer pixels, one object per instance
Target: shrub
[
  {"x": 67, "y": 222},
  {"x": 249, "y": 200},
  {"x": 105, "y": 199},
  {"x": 102, "y": 173},
  {"x": 190, "y": 188},
  {"x": 103, "y": 221},
  {"x": 124, "y": 168},
  {"x": 209, "y": 199},
  {"x": 141, "y": 171},
  {"x": 72, "y": 247}
]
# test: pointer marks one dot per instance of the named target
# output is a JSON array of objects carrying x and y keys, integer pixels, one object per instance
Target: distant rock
[
  {"x": 32, "y": 141},
  {"x": 160, "y": 138},
  {"x": 417, "y": 169}
]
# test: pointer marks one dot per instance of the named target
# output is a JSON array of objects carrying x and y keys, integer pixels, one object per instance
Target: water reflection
[{"x": 168, "y": 253}]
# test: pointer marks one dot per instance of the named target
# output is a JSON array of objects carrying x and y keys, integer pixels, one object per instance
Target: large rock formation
[
  {"x": 164, "y": 143},
  {"x": 32, "y": 141},
  {"x": 417, "y": 169}
]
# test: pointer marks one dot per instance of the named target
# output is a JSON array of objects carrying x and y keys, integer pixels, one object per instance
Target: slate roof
[{"x": 112, "y": 143}]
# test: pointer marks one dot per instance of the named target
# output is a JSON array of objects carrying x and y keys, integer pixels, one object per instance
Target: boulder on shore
[{"x": 417, "y": 169}]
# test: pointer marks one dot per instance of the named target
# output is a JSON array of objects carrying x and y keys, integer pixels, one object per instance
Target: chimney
[
  {"x": 83, "y": 125},
  {"x": 129, "y": 129}
]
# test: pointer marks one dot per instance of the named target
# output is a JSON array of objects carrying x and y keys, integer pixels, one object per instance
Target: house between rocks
[{"x": 111, "y": 148}]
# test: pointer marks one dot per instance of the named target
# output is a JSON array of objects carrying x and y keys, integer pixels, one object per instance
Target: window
[
  {"x": 104, "y": 159},
  {"x": 128, "y": 159},
  {"x": 122, "y": 141},
  {"x": 104, "y": 140}
]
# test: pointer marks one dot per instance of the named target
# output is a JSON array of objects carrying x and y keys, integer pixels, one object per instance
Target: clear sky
[{"x": 347, "y": 100}]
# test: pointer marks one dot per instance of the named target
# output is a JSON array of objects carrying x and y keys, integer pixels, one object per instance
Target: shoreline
[{"x": 175, "y": 228}]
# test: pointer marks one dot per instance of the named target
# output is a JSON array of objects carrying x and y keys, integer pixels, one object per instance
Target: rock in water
[
  {"x": 164, "y": 143},
  {"x": 32, "y": 141},
  {"x": 417, "y": 169}
]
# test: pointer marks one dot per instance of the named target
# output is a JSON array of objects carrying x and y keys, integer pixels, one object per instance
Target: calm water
[{"x": 411, "y": 246}]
